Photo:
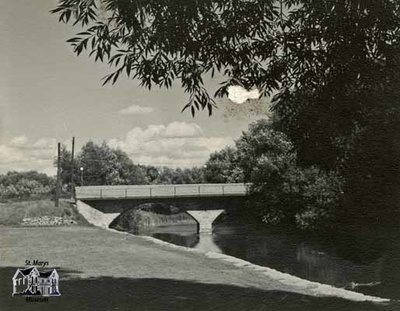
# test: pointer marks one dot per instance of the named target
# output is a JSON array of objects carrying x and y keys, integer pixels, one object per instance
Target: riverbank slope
[
  {"x": 105, "y": 259},
  {"x": 39, "y": 213}
]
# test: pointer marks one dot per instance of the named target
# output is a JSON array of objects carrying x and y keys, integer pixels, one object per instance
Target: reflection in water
[
  {"x": 206, "y": 243},
  {"x": 321, "y": 266},
  {"x": 182, "y": 240},
  {"x": 185, "y": 235},
  {"x": 287, "y": 252}
]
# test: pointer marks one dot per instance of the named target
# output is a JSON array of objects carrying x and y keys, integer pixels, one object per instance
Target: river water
[{"x": 362, "y": 266}]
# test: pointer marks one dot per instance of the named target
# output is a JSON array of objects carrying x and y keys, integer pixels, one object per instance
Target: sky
[{"x": 48, "y": 95}]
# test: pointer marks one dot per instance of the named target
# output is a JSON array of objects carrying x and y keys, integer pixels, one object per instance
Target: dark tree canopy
[
  {"x": 345, "y": 57},
  {"x": 158, "y": 42},
  {"x": 281, "y": 45}
]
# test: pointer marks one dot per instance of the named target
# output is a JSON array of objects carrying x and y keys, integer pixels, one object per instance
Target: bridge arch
[{"x": 203, "y": 202}]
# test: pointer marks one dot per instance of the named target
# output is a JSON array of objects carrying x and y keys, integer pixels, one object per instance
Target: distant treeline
[
  {"x": 99, "y": 164},
  {"x": 24, "y": 185},
  {"x": 285, "y": 191}
]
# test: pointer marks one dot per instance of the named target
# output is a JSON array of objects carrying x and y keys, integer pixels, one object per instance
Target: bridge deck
[{"x": 159, "y": 191}]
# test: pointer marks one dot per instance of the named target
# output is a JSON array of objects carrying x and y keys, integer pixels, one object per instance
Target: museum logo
[{"x": 32, "y": 282}]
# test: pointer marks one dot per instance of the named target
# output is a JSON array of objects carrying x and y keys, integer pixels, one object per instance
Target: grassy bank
[
  {"x": 103, "y": 270},
  {"x": 12, "y": 213},
  {"x": 95, "y": 252}
]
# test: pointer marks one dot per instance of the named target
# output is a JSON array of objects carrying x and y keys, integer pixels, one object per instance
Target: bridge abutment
[
  {"x": 94, "y": 216},
  {"x": 205, "y": 219}
]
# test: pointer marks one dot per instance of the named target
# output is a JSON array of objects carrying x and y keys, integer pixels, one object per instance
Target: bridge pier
[{"x": 205, "y": 219}]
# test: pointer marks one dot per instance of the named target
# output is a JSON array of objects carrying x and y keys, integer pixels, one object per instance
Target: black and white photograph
[{"x": 200, "y": 155}]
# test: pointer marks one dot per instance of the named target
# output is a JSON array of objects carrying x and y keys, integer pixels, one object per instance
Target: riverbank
[
  {"x": 39, "y": 213},
  {"x": 111, "y": 260}
]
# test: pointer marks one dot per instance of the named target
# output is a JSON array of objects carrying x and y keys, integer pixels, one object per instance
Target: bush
[
  {"x": 25, "y": 185},
  {"x": 13, "y": 213},
  {"x": 307, "y": 198},
  {"x": 320, "y": 196},
  {"x": 282, "y": 192}
]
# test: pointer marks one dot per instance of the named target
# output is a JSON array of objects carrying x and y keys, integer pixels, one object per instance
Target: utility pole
[
  {"x": 58, "y": 174},
  {"x": 72, "y": 170}
]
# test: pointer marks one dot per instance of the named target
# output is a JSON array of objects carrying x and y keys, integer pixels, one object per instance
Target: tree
[
  {"x": 13, "y": 177},
  {"x": 286, "y": 45},
  {"x": 158, "y": 42},
  {"x": 25, "y": 184},
  {"x": 194, "y": 175},
  {"x": 222, "y": 167},
  {"x": 129, "y": 173},
  {"x": 167, "y": 175},
  {"x": 281, "y": 191},
  {"x": 372, "y": 176},
  {"x": 103, "y": 165},
  {"x": 267, "y": 159}
]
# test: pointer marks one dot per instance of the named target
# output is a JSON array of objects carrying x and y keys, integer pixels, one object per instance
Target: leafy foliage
[
  {"x": 66, "y": 166},
  {"x": 343, "y": 63},
  {"x": 29, "y": 184},
  {"x": 222, "y": 167},
  {"x": 321, "y": 197},
  {"x": 14, "y": 211},
  {"x": 166, "y": 175},
  {"x": 341, "y": 108},
  {"x": 323, "y": 50},
  {"x": 103, "y": 165},
  {"x": 158, "y": 42},
  {"x": 281, "y": 191},
  {"x": 372, "y": 175}
]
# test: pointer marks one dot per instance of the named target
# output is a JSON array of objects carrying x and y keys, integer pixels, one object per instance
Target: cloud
[
  {"x": 176, "y": 144},
  {"x": 239, "y": 95},
  {"x": 21, "y": 154},
  {"x": 19, "y": 141},
  {"x": 182, "y": 129},
  {"x": 136, "y": 110}
]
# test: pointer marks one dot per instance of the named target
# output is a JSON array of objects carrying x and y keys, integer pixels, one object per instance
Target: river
[{"x": 361, "y": 266}]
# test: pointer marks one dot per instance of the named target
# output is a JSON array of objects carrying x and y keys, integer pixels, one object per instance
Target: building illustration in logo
[{"x": 32, "y": 282}]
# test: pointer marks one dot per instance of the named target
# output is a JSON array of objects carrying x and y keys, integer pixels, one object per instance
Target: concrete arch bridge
[{"x": 204, "y": 202}]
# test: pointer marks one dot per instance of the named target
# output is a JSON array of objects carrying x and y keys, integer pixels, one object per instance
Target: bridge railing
[{"x": 160, "y": 191}]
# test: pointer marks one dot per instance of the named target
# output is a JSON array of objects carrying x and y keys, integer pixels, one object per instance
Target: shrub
[
  {"x": 25, "y": 185},
  {"x": 281, "y": 191},
  {"x": 307, "y": 198},
  {"x": 320, "y": 196}
]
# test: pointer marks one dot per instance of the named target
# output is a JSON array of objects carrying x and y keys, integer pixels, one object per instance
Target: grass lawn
[
  {"x": 95, "y": 252},
  {"x": 103, "y": 270},
  {"x": 12, "y": 213}
]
